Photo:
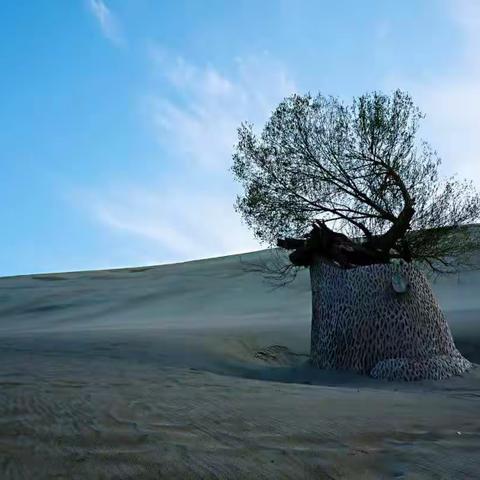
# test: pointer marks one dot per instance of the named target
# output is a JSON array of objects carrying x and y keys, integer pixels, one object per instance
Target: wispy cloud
[
  {"x": 175, "y": 223},
  {"x": 201, "y": 125},
  {"x": 452, "y": 102},
  {"x": 190, "y": 214},
  {"x": 108, "y": 22}
]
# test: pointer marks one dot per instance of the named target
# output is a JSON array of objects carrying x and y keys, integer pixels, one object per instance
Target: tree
[
  {"x": 350, "y": 186},
  {"x": 352, "y": 183}
]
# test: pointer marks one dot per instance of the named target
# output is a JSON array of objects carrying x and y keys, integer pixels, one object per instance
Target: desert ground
[{"x": 200, "y": 370}]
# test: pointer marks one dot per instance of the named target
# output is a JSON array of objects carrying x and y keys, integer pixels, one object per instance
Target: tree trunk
[
  {"x": 334, "y": 246},
  {"x": 382, "y": 320}
]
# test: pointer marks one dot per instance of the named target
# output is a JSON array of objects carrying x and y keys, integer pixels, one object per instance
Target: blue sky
[{"x": 118, "y": 117}]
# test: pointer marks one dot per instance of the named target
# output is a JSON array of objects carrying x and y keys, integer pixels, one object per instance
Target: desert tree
[{"x": 354, "y": 184}]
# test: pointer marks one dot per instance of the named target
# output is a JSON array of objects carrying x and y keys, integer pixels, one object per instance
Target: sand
[{"x": 199, "y": 370}]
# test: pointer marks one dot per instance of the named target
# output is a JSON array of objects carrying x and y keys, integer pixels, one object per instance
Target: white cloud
[
  {"x": 107, "y": 21},
  {"x": 202, "y": 126},
  {"x": 452, "y": 102},
  {"x": 453, "y": 109},
  {"x": 175, "y": 223},
  {"x": 190, "y": 214}
]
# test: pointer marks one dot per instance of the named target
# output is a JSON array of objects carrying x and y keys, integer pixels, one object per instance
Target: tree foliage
[{"x": 358, "y": 168}]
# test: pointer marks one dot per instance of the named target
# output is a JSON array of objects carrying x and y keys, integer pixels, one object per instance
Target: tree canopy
[{"x": 357, "y": 174}]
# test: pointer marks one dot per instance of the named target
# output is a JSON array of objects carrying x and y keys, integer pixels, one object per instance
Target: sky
[{"x": 118, "y": 117}]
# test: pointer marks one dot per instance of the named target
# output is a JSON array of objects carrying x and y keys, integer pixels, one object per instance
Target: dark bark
[{"x": 324, "y": 242}]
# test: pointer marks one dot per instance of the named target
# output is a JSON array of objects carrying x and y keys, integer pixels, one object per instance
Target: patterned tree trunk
[{"x": 382, "y": 320}]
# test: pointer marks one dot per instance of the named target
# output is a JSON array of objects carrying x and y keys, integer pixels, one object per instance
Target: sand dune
[{"x": 198, "y": 370}]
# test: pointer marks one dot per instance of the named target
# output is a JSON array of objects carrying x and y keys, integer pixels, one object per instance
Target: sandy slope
[{"x": 197, "y": 370}]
